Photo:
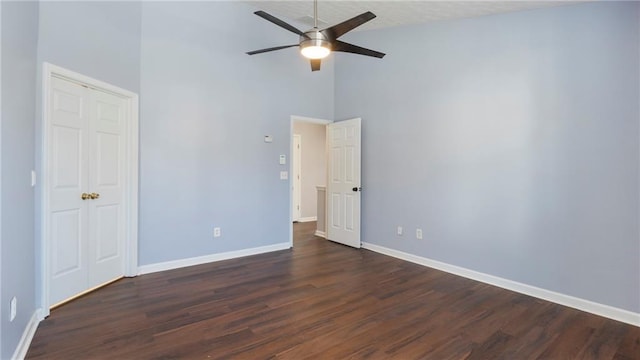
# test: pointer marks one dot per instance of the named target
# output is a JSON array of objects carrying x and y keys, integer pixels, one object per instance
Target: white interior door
[
  {"x": 106, "y": 213},
  {"x": 296, "y": 162},
  {"x": 86, "y": 168},
  {"x": 343, "y": 185},
  {"x": 68, "y": 216}
]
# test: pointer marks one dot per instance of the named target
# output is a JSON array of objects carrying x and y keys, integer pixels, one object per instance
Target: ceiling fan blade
[
  {"x": 278, "y": 22},
  {"x": 270, "y": 49},
  {"x": 315, "y": 64},
  {"x": 354, "y": 49},
  {"x": 338, "y": 30}
]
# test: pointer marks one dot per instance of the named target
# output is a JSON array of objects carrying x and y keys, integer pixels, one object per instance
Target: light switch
[
  {"x": 268, "y": 139},
  {"x": 284, "y": 175},
  {"x": 33, "y": 178},
  {"x": 283, "y": 159}
]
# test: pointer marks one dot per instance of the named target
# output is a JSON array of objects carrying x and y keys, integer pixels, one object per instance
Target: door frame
[
  {"x": 131, "y": 174},
  {"x": 296, "y": 156},
  {"x": 293, "y": 119}
]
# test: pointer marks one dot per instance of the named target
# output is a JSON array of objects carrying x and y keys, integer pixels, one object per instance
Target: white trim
[
  {"x": 131, "y": 166},
  {"x": 310, "y": 120},
  {"x": 308, "y": 219},
  {"x": 41, "y": 314},
  {"x": 296, "y": 175},
  {"x": 320, "y": 234},
  {"x": 27, "y": 337},
  {"x": 293, "y": 119},
  {"x": 131, "y": 191},
  {"x": 607, "y": 311},
  {"x": 1, "y": 122},
  {"x": 176, "y": 264}
]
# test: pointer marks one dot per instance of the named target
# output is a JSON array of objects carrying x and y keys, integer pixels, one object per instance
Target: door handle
[
  {"x": 94, "y": 196},
  {"x": 85, "y": 196},
  {"x": 356, "y": 189}
]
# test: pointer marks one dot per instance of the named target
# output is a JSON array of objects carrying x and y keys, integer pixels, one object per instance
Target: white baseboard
[
  {"x": 307, "y": 219},
  {"x": 558, "y": 298},
  {"x": 175, "y": 264},
  {"x": 320, "y": 233},
  {"x": 27, "y": 337}
]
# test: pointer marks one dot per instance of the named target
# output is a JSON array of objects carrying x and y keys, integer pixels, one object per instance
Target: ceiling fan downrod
[{"x": 315, "y": 14}]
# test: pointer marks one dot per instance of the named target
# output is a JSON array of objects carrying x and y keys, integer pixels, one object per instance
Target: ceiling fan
[{"x": 317, "y": 44}]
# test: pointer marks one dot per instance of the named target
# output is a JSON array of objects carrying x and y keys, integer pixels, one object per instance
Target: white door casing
[
  {"x": 296, "y": 176},
  {"x": 90, "y": 145},
  {"x": 343, "y": 182}
]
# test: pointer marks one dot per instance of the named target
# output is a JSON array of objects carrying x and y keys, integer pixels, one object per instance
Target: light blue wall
[
  {"x": 19, "y": 37},
  {"x": 205, "y": 108},
  {"x": 512, "y": 140},
  {"x": 93, "y": 38}
]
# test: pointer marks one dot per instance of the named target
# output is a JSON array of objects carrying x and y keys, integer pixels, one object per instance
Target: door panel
[
  {"x": 349, "y": 154},
  {"x": 67, "y": 245},
  {"x": 108, "y": 169},
  {"x": 336, "y": 213},
  {"x": 349, "y": 213},
  {"x": 344, "y": 176},
  {"x": 67, "y": 162},
  {"x": 68, "y": 260},
  {"x": 106, "y": 223},
  {"x": 336, "y": 164}
]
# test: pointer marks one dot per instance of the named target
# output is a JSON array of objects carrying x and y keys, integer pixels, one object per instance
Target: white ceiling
[{"x": 392, "y": 12}]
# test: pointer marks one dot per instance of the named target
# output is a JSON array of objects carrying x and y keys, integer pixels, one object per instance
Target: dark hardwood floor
[{"x": 321, "y": 301}]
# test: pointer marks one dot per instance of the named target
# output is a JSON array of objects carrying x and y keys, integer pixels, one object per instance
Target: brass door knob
[
  {"x": 85, "y": 196},
  {"x": 94, "y": 196}
]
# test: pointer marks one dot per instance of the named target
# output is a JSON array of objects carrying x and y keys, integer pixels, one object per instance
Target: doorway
[
  {"x": 308, "y": 167},
  {"x": 90, "y": 185}
]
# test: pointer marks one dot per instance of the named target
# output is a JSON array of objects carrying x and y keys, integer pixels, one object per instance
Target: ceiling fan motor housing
[{"x": 315, "y": 38}]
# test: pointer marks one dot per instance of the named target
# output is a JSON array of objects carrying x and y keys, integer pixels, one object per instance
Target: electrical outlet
[
  {"x": 419, "y": 234},
  {"x": 399, "y": 231},
  {"x": 14, "y": 308},
  {"x": 216, "y": 232}
]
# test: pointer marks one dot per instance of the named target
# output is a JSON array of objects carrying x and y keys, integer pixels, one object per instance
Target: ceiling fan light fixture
[{"x": 315, "y": 51}]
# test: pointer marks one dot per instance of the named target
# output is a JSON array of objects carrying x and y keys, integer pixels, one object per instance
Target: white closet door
[
  {"x": 106, "y": 213},
  {"x": 68, "y": 161},
  {"x": 87, "y": 215}
]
